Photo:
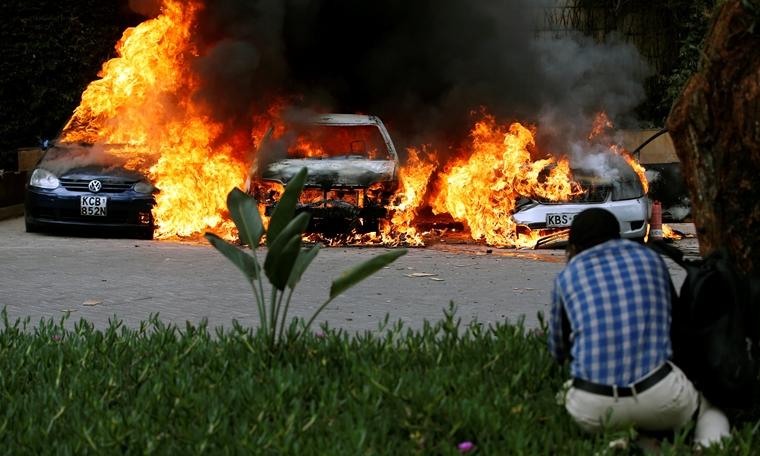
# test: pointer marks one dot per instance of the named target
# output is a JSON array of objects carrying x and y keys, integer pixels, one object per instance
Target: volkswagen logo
[{"x": 95, "y": 186}]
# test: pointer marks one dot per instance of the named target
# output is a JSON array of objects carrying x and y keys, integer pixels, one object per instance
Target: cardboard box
[
  {"x": 659, "y": 151},
  {"x": 28, "y": 158}
]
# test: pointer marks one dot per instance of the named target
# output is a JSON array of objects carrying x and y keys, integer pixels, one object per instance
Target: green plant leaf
[
  {"x": 245, "y": 213},
  {"x": 245, "y": 262},
  {"x": 286, "y": 207},
  {"x": 296, "y": 227},
  {"x": 282, "y": 254},
  {"x": 303, "y": 261},
  {"x": 278, "y": 270},
  {"x": 360, "y": 272}
]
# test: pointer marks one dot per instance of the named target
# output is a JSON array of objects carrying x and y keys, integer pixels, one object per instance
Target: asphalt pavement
[{"x": 50, "y": 276}]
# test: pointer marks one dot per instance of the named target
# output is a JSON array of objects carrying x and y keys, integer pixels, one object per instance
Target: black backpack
[{"x": 715, "y": 330}]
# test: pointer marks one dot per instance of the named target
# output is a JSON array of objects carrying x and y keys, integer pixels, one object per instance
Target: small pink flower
[
  {"x": 465, "y": 446},
  {"x": 320, "y": 334},
  {"x": 57, "y": 338}
]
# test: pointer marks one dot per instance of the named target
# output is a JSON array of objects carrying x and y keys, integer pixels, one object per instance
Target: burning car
[
  {"x": 80, "y": 186},
  {"x": 618, "y": 189},
  {"x": 352, "y": 171}
]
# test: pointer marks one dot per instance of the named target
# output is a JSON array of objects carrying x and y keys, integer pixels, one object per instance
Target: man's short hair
[{"x": 593, "y": 227}]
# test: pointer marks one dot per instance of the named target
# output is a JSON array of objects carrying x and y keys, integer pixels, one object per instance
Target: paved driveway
[{"x": 46, "y": 276}]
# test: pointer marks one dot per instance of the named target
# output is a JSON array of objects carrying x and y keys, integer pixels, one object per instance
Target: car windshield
[
  {"x": 340, "y": 141},
  {"x": 592, "y": 193},
  {"x": 621, "y": 182},
  {"x": 92, "y": 160}
]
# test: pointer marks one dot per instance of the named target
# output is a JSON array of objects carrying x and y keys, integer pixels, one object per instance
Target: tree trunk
[{"x": 715, "y": 126}]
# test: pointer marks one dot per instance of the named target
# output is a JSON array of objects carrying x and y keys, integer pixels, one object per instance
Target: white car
[{"x": 619, "y": 190}]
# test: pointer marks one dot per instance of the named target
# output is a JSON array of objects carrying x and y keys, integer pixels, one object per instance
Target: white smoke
[
  {"x": 62, "y": 158},
  {"x": 678, "y": 213},
  {"x": 653, "y": 176},
  {"x": 598, "y": 163}
]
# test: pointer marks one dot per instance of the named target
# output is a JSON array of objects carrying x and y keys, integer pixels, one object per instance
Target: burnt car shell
[
  {"x": 125, "y": 211},
  {"x": 345, "y": 189}
]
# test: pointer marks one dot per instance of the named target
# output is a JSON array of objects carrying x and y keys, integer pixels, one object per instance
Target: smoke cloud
[
  {"x": 65, "y": 157},
  {"x": 581, "y": 78},
  {"x": 422, "y": 66}
]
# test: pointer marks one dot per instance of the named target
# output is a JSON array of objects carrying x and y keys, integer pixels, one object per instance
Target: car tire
[
  {"x": 145, "y": 234},
  {"x": 31, "y": 227}
]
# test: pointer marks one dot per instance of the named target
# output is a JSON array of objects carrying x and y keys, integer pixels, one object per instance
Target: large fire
[
  {"x": 144, "y": 103},
  {"x": 483, "y": 188}
]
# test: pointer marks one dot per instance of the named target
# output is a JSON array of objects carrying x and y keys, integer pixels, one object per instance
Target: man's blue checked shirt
[{"x": 617, "y": 299}]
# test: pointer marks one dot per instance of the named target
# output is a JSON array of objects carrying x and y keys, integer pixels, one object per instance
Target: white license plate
[
  {"x": 559, "y": 220},
  {"x": 93, "y": 205}
]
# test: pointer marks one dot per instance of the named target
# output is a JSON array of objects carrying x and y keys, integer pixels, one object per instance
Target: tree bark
[{"x": 715, "y": 126}]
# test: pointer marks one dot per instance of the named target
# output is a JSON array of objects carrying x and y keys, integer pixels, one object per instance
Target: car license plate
[
  {"x": 559, "y": 220},
  {"x": 93, "y": 205}
]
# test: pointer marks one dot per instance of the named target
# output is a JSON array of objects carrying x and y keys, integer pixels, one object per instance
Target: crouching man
[{"x": 610, "y": 317}]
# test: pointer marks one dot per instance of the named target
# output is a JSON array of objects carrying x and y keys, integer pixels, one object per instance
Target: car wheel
[
  {"x": 146, "y": 234},
  {"x": 31, "y": 227}
]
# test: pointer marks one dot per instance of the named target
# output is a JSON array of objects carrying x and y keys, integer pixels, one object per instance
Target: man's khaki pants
[{"x": 668, "y": 405}]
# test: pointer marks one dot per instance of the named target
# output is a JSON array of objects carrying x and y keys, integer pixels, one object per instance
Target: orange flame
[
  {"x": 308, "y": 148},
  {"x": 483, "y": 188},
  {"x": 640, "y": 171},
  {"x": 413, "y": 184},
  {"x": 143, "y": 100},
  {"x": 144, "y": 103},
  {"x": 669, "y": 233},
  {"x": 601, "y": 123}
]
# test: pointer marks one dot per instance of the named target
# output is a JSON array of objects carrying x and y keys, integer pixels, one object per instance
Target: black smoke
[{"x": 423, "y": 66}]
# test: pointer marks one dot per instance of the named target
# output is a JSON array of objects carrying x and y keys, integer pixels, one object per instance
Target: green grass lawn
[{"x": 192, "y": 390}]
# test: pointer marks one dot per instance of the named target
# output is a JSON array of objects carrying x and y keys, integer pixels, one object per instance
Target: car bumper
[
  {"x": 631, "y": 214},
  {"x": 61, "y": 208}
]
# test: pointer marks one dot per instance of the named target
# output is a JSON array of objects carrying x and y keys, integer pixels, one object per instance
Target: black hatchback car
[{"x": 79, "y": 188}]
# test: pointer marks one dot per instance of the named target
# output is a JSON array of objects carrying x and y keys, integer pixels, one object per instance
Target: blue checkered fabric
[{"x": 617, "y": 299}]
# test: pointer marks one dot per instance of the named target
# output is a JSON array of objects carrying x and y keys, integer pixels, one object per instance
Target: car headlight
[
  {"x": 144, "y": 187},
  {"x": 43, "y": 178}
]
